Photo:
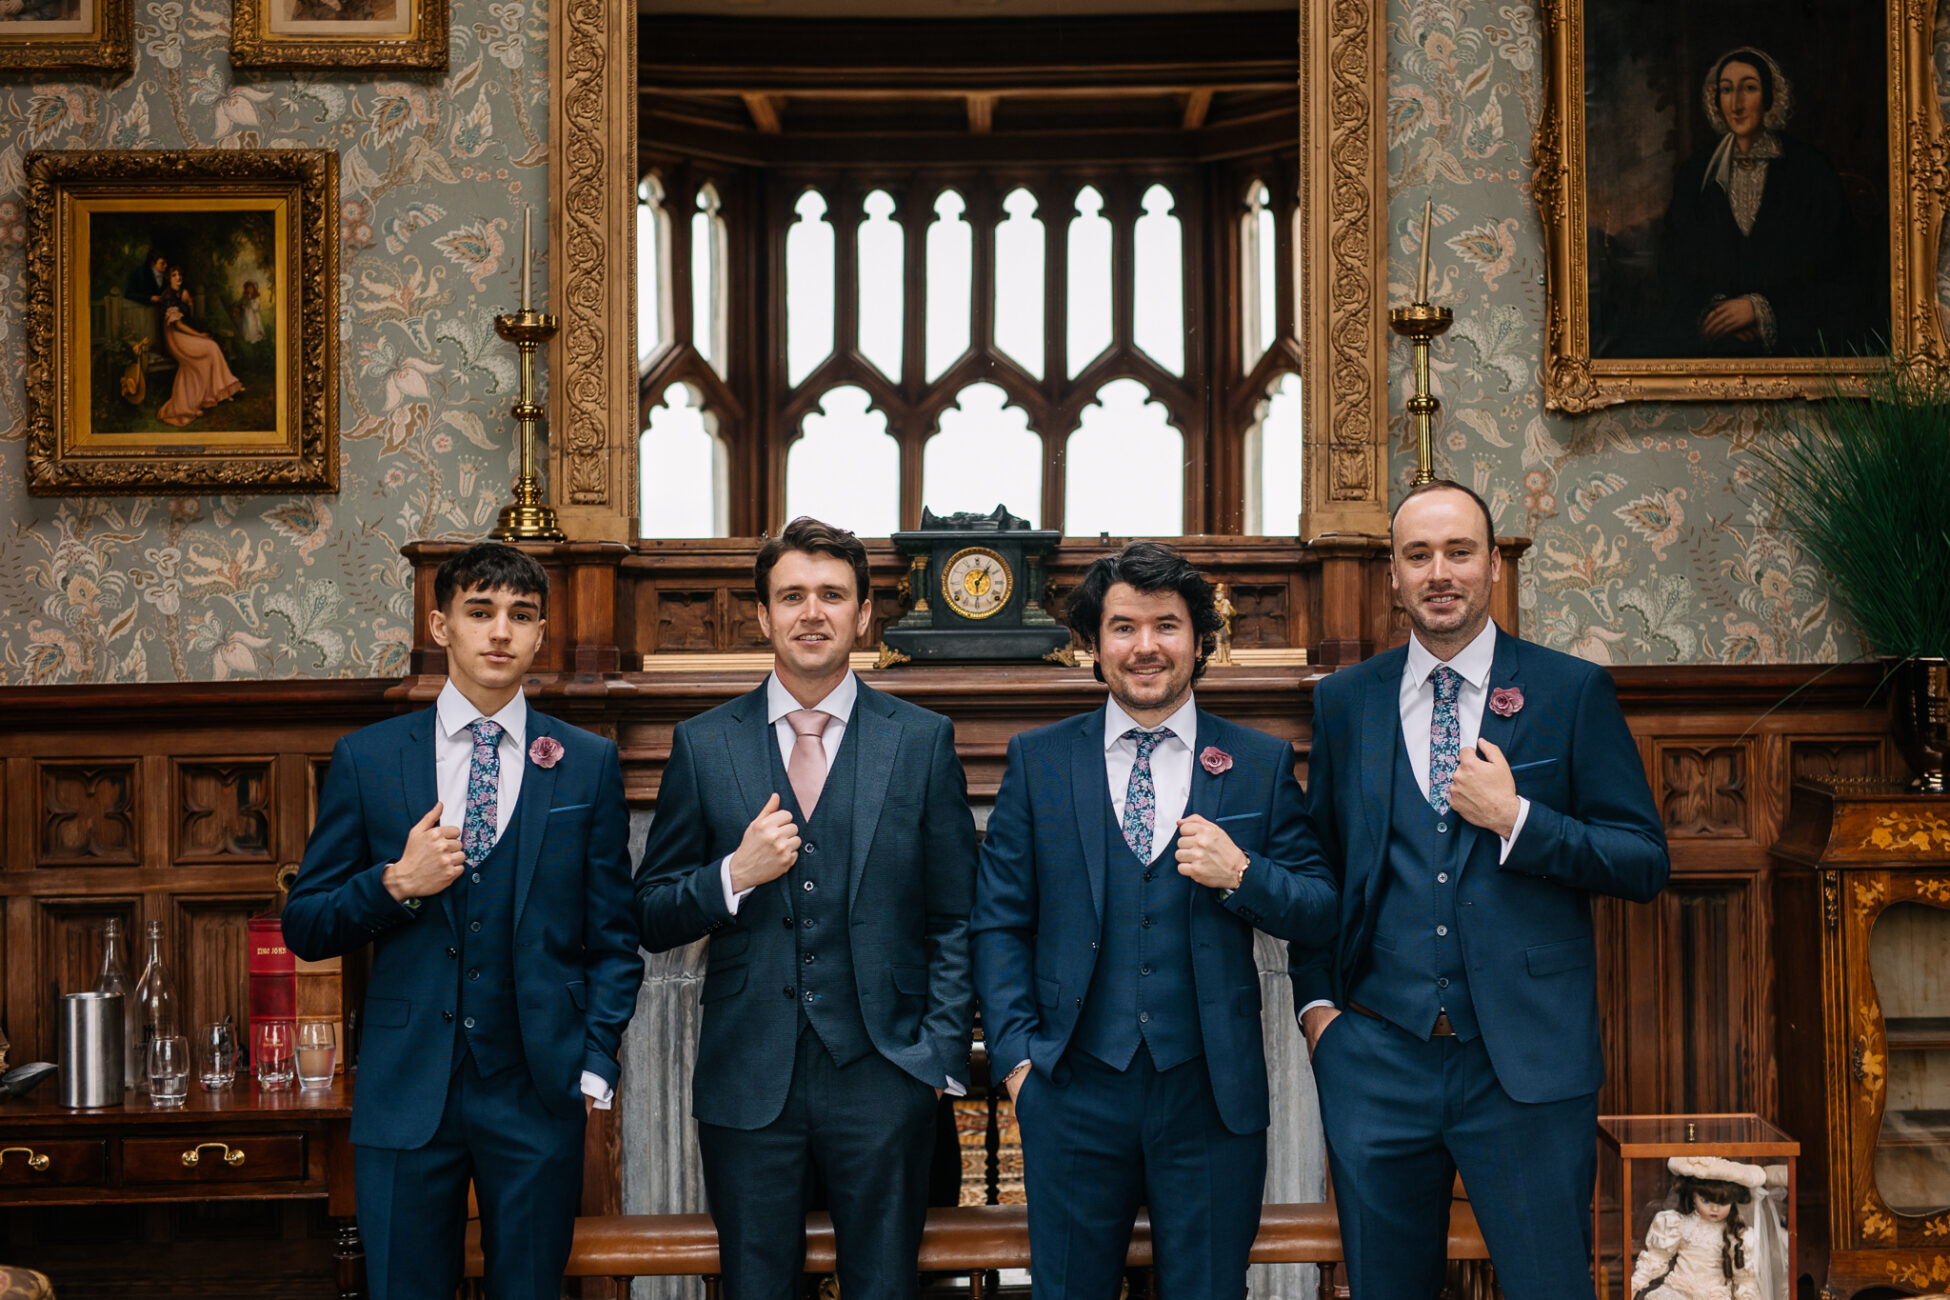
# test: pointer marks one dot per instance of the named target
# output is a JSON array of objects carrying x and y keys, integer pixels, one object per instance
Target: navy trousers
[
  {"x": 1403, "y": 1117},
  {"x": 526, "y": 1165},
  {"x": 1103, "y": 1142},
  {"x": 867, "y": 1131}
]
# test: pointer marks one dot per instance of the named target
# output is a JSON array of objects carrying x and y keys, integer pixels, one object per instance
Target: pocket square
[
  {"x": 1523, "y": 767},
  {"x": 568, "y": 807}
]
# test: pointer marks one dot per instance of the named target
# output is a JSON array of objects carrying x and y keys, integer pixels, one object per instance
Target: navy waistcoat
[
  {"x": 1142, "y": 987},
  {"x": 1415, "y": 969},
  {"x": 488, "y": 1023},
  {"x": 829, "y": 996}
]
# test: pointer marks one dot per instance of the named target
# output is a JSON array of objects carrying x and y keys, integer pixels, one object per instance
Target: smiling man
[
  {"x": 818, "y": 831},
  {"x": 451, "y": 839},
  {"x": 1471, "y": 793},
  {"x": 1131, "y": 854}
]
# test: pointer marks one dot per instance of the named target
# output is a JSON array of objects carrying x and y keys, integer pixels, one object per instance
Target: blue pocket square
[
  {"x": 1237, "y": 817},
  {"x": 1525, "y": 767},
  {"x": 568, "y": 807}
]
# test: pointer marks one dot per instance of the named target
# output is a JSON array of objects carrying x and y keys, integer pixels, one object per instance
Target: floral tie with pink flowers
[
  {"x": 1445, "y": 736},
  {"x": 1141, "y": 796},
  {"x": 483, "y": 790}
]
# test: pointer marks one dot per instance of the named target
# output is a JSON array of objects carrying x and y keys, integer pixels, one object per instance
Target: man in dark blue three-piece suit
[
  {"x": 480, "y": 847},
  {"x": 1471, "y": 792},
  {"x": 818, "y": 831},
  {"x": 1131, "y": 853}
]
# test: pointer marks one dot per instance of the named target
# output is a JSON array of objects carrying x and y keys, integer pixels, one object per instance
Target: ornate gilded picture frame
[
  {"x": 182, "y": 311},
  {"x": 1737, "y": 204},
  {"x": 38, "y": 37},
  {"x": 355, "y": 35}
]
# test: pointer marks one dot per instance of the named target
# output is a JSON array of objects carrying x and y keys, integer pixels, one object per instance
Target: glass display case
[{"x": 1694, "y": 1207}]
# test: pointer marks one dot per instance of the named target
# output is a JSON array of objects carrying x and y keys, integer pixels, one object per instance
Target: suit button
[
  {"x": 788, "y": 991},
  {"x": 1093, "y": 947},
  {"x": 473, "y": 974},
  {"x": 453, "y": 952},
  {"x": 1144, "y": 970},
  {"x": 788, "y": 921},
  {"x": 1442, "y": 983},
  {"x": 1441, "y": 877},
  {"x": 1079, "y": 1002},
  {"x": 808, "y": 922},
  {"x": 1150, "y": 875},
  {"x": 476, "y": 877},
  {"x": 811, "y": 958},
  {"x": 807, "y": 886},
  {"x": 447, "y": 1017},
  {"x": 809, "y": 849},
  {"x": 809, "y": 996},
  {"x": 1145, "y": 921},
  {"x": 1144, "y": 1017},
  {"x": 475, "y": 926},
  {"x": 1442, "y": 826},
  {"x": 469, "y": 1022},
  {"x": 1441, "y": 930}
]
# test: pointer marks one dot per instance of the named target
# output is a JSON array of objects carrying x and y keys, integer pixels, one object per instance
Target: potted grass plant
[{"x": 1865, "y": 484}]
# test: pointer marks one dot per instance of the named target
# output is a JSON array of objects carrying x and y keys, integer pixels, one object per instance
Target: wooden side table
[{"x": 234, "y": 1143}]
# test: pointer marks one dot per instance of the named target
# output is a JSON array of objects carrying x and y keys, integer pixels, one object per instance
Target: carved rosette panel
[
  {"x": 89, "y": 814},
  {"x": 1260, "y": 616},
  {"x": 1703, "y": 791},
  {"x": 687, "y": 620},
  {"x": 224, "y": 811},
  {"x": 743, "y": 632}
]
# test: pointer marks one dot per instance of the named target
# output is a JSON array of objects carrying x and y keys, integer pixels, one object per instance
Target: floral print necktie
[
  {"x": 483, "y": 789},
  {"x": 1445, "y": 736},
  {"x": 1141, "y": 796}
]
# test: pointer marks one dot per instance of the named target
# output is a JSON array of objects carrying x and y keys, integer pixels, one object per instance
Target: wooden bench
[{"x": 972, "y": 1240}]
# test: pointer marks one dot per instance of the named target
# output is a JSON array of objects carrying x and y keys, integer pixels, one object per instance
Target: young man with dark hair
[
  {"x": 1472, "y": 793},
  {"x": 1131, "y": 854},
  {"x": 451, "y": 840},
  {"x": 818, "y": 831}
]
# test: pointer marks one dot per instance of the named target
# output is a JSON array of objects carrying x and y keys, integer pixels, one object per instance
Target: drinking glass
[
  {"x": 168, "y": 1069},
  {"x": 318, "y": 1051},
  {"x": 216, "y": 1055},
  {"x": 271, "y": 1055}
]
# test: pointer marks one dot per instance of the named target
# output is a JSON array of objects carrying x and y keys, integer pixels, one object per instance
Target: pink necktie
[{"x": 807, "y": 768}]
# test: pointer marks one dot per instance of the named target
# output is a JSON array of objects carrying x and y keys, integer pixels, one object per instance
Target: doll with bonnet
[{"x": 1700, "y": 1249}]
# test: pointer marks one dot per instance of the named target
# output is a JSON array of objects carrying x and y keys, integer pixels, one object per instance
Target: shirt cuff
[
  {"x": 731, "y": 900},
  {"x": 1317, "y": 1002},
  {"x": 597, "y": 1089},
  {"x": 956, "y": 1088},
  {"x": 1509, "y": 841}
]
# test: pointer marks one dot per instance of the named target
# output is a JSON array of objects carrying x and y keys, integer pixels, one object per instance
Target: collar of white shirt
[
  {"x": 838, "y": 704},
  {"x": 1183, "y": 723},
  {"x": 457, "y": 713},
  {"x": 1473, "y": 662}
]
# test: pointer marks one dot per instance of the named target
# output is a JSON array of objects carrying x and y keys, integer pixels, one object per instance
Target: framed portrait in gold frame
[
  {"x": 43, "y": 36},
  {"x": 182, "y": 311},
  {"x": 1738, "y": 202},
  {"x": 361, "y": 35}
]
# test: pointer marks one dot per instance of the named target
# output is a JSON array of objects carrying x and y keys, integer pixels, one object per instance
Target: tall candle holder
[
  {"x": 1420, "y": 323},
  {"x": 527, "y": 518}
]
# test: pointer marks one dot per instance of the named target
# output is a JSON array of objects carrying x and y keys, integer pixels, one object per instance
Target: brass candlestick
[
  {"x": 1419, "y": 323},
  {"x": 527, "y": 518}
]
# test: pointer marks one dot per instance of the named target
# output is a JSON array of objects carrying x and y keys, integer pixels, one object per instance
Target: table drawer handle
[
  {"x": 38, "y": 1163},
  {"x": 232, "y": 1156}
]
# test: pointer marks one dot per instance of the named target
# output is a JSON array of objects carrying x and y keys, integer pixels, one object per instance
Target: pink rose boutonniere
[
  {"x": 1505, "y": 701},
  {"x": 546, "y": 751},
  {"x": 1215, "y": 760}
]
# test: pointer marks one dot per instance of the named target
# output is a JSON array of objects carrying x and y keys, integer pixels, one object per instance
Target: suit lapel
[
  {"x": 1381, "y": 735},
  {"x": 1088, "y": 795},
  {"x": 745, "y": 740},
  {"x": 1208, "y": 795},
  {"x": 531, "y": 810},
  {"x": 1505, "y": 670},
  {"x": 878, "y": 741},
  {"x": 422, "y": 783}
]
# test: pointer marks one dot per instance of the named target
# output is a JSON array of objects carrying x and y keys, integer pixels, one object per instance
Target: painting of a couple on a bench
[{"x": 184, "y": 309}]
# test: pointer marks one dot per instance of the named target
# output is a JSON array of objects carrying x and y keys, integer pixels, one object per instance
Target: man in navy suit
[
  {"x": 818, "y": 831},
  {"x": 480, "y": 847},
  {"x": 1131, "y": 854},
  {"x": 1472, "y": 792}
]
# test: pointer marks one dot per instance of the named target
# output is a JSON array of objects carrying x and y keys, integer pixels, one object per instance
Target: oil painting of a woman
[{"x": 203, "y": 377}]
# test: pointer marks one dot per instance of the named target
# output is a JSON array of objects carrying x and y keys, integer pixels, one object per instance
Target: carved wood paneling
[
  {"x": 1702, "y": 790},
  {"x": 68, "y": 959},
  {"x": 1262, "y": 616},
  {"x": 89, "y": 814},
  {"x": 688, "y": 620},
  {"x": 211, "y": 954},
  {"x": 1842, "y": 760},
  {"x": 225, "y": 810}
]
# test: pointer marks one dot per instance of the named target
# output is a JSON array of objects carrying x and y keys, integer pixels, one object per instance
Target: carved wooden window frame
[{"x": 593, "y": 409}]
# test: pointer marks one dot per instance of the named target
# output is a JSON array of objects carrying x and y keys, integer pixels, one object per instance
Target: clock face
[{"x": 976, "y": 582}]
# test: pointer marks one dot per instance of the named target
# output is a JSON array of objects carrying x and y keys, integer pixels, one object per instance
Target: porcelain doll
[{"x": 1700, "y": 1249}]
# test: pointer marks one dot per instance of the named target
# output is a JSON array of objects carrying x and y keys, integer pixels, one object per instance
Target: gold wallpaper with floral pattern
[{"x": 1650, "y": 544}]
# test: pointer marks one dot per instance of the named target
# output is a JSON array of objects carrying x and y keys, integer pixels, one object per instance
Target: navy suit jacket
[
  {"x": 910, "y": 882},
  {"x": 1039, "y": 907},
  {"x": 577, "y": 968},
  {"x": 1525, "y": 924}
]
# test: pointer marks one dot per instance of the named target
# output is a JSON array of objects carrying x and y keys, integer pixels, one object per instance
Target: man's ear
[{"x": 437, "y": 626}]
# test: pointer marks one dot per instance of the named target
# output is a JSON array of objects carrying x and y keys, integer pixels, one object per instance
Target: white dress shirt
[
  {"x": 1472, "y": 663},
  {"x": 453, "y": 759},
  {"x": 1171, "y": 766}
]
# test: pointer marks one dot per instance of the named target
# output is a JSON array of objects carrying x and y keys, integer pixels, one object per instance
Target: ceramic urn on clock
[{"x": 975, "y": 584}]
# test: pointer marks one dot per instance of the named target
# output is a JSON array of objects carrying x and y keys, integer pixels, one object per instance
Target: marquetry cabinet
[{"x": 1862, "y": 906}]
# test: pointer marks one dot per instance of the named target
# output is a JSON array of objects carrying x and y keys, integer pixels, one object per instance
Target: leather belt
[{"x": 1443, "y": 1029}]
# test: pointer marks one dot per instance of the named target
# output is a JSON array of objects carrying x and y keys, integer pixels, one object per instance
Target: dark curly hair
[
  {"x": 1150, "y": 567},
  {"x": 489, "y": 566}
]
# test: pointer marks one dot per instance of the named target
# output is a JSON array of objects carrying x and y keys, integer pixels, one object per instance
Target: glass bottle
[
  {"x": 155, "y": 995},
  {"x": 115, "y": 979}
]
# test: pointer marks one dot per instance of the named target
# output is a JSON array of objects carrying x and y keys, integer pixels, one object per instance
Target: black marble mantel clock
[{"x": 976, "y": 584}]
